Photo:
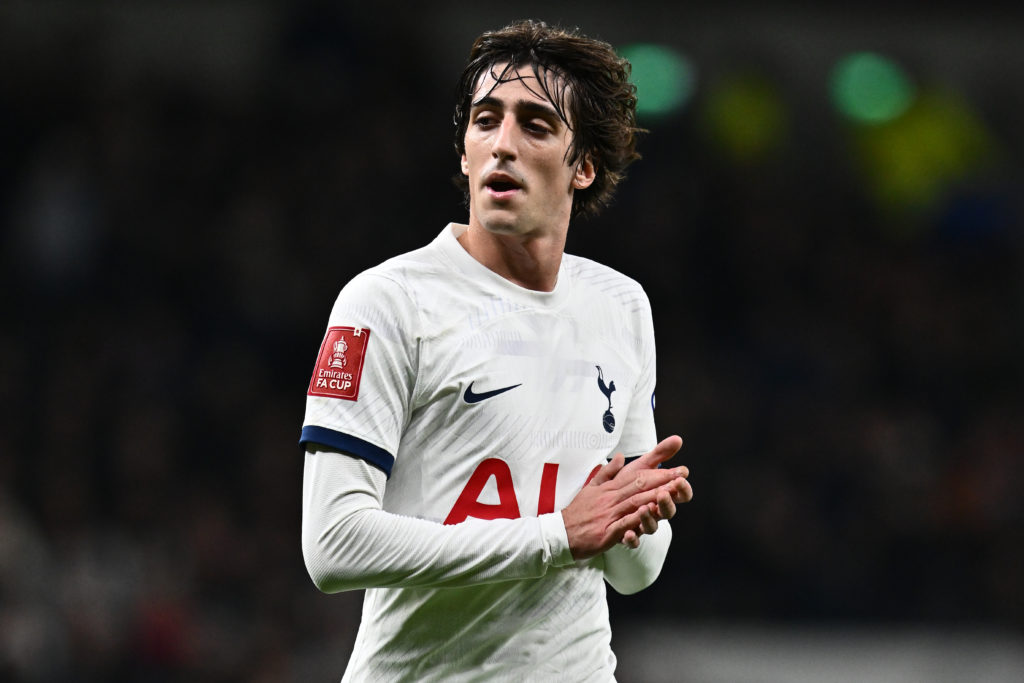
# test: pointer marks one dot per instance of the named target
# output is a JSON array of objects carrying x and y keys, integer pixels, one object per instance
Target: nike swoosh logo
[{"x": 469, "y": 396}]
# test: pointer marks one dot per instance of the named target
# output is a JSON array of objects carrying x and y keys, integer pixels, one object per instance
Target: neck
[{"x": 529, "y": 261}]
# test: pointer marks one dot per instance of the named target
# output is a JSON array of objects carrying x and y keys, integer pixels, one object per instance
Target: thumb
[
  {"x": 659, "y": 454},
  {"x": 609, "y": 471}
]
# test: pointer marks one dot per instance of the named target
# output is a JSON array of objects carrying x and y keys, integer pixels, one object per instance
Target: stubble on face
[{"x": 517, "y": 148}]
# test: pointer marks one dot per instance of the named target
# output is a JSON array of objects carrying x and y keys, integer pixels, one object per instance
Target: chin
[{"x": 500, "y": 225}]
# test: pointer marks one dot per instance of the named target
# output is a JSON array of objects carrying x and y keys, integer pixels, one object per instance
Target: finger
[
  {"x": 628, "y": 524},
  {"x": 609, "y": 471},
  {"x": 647, "y": 521},
  {"x": 666, "y": 506},
  {"x": 682, "y": 491},
  {"x": 632, "y": 506},
  {"x": 631, "y": 539},
  {"x": 628, "y": 484},
  {"x": 665, "y": 449}
]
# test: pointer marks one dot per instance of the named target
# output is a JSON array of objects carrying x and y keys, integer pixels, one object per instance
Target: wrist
[{"x": 556, "y": 539}]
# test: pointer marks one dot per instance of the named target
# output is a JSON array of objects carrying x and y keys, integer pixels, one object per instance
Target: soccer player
[{"x": 474, "y": 401}]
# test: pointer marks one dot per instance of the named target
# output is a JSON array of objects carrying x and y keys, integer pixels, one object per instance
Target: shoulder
[
  {"x": 406, "y": 271},
  {"x": 381, "y": 297},
  {"x": 400, "y": 291},
  {"x": 398, "y": 278},
  {"x": 602, "y": 283}
]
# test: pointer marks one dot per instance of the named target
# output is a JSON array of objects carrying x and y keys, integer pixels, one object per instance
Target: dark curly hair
[{"x": 591, "y": 93}]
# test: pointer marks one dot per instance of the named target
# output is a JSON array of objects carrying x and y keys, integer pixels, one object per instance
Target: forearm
[
  {"x": 349, "y": 542},
  {"x": 630, "y": 570}
]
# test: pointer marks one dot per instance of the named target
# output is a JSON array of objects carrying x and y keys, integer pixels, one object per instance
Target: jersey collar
[{"x": 449, "y": 245}]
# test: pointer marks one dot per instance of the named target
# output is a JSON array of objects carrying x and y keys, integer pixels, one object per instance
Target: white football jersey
[{"x": 482, "y": 399}]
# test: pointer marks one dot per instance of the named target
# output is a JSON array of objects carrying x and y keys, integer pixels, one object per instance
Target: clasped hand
[{"x": 623, "y": 502}]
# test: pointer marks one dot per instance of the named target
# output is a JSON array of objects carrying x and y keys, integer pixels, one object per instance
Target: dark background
[{"x": 185, "y": 186}]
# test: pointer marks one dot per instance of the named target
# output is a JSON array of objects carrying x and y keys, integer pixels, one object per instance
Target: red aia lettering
[
  {"x": 548, "y": 478},
  {"x": 469, "y": 505}
]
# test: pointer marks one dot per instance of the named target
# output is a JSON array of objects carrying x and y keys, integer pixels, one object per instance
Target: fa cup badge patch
[
  {"x": 338, "y": 359},
  {"x": 340, "y": 363}
]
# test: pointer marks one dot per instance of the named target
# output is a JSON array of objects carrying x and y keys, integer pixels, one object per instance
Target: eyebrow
[{"x": 525, "y": 106}]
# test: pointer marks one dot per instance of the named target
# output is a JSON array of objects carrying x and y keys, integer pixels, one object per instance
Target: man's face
[{"x": 516, "y": 157}]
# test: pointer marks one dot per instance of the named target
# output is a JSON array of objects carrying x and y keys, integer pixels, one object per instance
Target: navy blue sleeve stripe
[{"x": 346, "y": 443}]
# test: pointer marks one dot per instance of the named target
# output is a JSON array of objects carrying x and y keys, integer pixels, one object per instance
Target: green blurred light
[
  {"x": 870, "y": 88},
  {"x": 664, "y": 79}
]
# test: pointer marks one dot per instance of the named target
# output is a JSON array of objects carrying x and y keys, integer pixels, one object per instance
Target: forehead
[{"x": 523, "y": 81}]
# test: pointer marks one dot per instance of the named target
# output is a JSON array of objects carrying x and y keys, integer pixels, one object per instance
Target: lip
[
  {"x": 501, "y": 195},
  {"x": 498, "y": 177}
]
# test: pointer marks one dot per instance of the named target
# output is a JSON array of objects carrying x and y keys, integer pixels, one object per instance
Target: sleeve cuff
[{"x": 556, "y": 541}]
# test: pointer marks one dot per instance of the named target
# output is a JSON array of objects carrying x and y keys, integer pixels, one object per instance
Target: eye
[{"x": 484, "y": 120}]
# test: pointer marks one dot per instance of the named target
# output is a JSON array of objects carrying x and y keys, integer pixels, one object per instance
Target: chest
[
  {"x": 559, "y": 374},
  {"x": 516, "y": 414}
]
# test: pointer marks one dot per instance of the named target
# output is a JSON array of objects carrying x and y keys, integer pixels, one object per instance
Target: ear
[
  {"x": 465, "y": 165},
  {"x": 585, "y": 174}
]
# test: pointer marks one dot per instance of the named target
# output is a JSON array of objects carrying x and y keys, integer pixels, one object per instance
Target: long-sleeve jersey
[{"x": 470, "y": 411}]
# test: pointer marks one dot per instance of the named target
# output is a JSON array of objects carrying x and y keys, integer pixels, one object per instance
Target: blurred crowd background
[{"x": 184, "y": 188}]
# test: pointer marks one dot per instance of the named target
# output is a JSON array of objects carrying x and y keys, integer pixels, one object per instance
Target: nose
[{"x": 504, "y": 146}]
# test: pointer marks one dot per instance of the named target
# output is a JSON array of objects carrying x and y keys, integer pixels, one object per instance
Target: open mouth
[{"x": 502, "y": 186}]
